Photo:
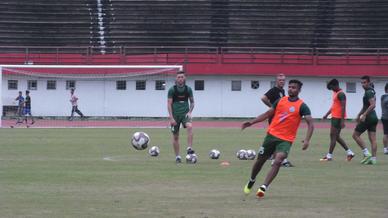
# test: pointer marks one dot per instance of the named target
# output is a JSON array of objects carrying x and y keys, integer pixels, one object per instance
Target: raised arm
[
  {"x": 266, "y": 101},
  {"x": 260, "y": 118}
]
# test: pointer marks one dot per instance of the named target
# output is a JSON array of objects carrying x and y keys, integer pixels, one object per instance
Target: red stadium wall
[{"x": 226, "y": 64}]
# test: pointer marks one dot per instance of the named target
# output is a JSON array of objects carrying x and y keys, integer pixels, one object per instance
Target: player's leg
[
  {"x": 273, "y": 172},
  {"x": 187, "y": 123},
  {"x": 373, "y": 143},
  {"x": 265, "y": 151},
  {"x": 73, "y": 108},
  {"x": 19, "y": 115},
  {"x": 256, "y": 168},
  {"x": 78, "y": 111},
  {"x": 371, "y": 123},
  {"x": 175, "y": 139},
  {"x": 385, "y": 137},
  {"x": 361, "y": 128},
  {"x": 339, "y": 139},
  {"x": 333, "y": 140},
  {"x": 175, "y": 143},
  {"x": 349, "y": 153},
  {"x": 279, "y": 157},
  {"x": 32, "y": 118},
  {"x": 282, "y": 149}
]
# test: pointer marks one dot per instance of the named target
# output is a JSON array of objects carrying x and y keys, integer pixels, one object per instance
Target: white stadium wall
[{"x": 100, "y": 98}]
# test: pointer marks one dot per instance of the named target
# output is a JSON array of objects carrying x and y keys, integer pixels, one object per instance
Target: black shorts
[{"x": 385, "y": 126}]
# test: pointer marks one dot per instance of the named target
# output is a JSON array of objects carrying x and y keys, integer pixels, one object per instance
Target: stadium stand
[{"x": 212, "y": 23}]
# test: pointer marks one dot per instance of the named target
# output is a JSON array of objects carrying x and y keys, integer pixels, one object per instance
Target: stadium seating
[{"x": 206, "y": 23}]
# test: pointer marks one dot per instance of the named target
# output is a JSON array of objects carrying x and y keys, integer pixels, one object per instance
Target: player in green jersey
[
  {"x": 180, "y": 105},
  {"x": 367, "y": 120}
]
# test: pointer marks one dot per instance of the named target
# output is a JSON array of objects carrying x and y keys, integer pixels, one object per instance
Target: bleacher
[
  {"x": 44, "y": 23},
  {"x": 206, "y": 23}
]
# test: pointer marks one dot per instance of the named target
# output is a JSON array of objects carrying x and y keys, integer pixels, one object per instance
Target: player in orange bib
[
  {"x": 287, "y": 113},
  {"x": 338, "y": 115}
]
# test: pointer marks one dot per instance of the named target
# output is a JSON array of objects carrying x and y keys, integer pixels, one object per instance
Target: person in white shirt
[{"x": 74, "y": 104}]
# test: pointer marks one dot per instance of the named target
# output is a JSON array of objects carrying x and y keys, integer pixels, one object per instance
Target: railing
[{"x": 193, "y": 55}]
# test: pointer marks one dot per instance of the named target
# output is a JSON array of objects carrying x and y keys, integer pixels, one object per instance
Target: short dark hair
[
  {"x": 332, "y": 83},
  {"x": 27, "y": 92},
  {"x": 300, "y": 84},
  {"x": 180, "y": 72},
  {"x": 366, "y": 77},
  {"x": 386, "y": 87}
]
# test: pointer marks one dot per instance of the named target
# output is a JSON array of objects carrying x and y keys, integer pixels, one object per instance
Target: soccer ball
[
  {"x": 191, "y": 158},
  {"x": 154, "y": 151},
  {"x": 214, "y": 154},
  {"x": 251, "y": 154},
  {"x": 140, "y": 140},
  {"x": 241, "y": 154}
]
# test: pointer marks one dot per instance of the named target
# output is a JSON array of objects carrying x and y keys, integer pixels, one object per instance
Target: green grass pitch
[{"x": 95, "y": 173}]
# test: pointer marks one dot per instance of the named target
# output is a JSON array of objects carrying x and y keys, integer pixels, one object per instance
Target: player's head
[
  {"x": 72, "y": 90},
  {"x": 27, "y": 92},
  {"x": 365, "y": 82},
  {"x": 294, "y": 87},
  {"x": 386, "y": 88},
  {"x": 280, "y": 80},
  {"x": 333, "y": 84},
  {"x": 180, "y": 78},
  {"x": 20, "y": 93}
]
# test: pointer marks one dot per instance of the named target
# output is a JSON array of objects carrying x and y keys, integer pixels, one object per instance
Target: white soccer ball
[
  {"x": 154, "y": 151},
  {"x": 140, "y": 140},
  {"x": 191, "y": 158},
  {"x": 251, "y": 154},
  {"x": 241, "y": 154},
  {"x": 214, "y": 154}
]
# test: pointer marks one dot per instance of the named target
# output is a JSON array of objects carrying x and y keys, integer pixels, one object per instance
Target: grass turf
[{"x": 95, "y": 173}]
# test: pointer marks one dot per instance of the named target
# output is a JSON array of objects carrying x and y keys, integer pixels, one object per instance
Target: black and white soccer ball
[
  {"x": 214, "y": 154},
  {"x": 241, "y": 154},
  {"x": 140, "y": 140},
  {"x": 191, "y": 158},
  {"x": 251, "y": 154},
  {"x": 154, "y": 151}
]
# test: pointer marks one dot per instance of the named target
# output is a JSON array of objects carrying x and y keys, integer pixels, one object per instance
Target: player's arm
[
  {"x": 191, "y": 99},
  {"x": 343, "y": 110},
  {"x": 327, "y": 114},
  {"x": 372, "y": 105},
  {"x": 258, "y": 119},
  {"x": 310, "y": 130},
  {"x": 169, "y": 108},
  {"x": 266, "y": 101}
]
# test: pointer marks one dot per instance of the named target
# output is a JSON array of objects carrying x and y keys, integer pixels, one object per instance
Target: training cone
[{"x": 224, "y": 163}]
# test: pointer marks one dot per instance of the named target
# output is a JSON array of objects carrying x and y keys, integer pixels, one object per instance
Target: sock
[
  {"x": 285, "y": 161},
  {"x": 349, "y": 152},
  {"x": 385, "y": 150},
  {"x": 366, "y": 152},
  {"x": 251, "y": 182},
  {"x": 178, "y": 157},
  {"x": 329, "y": 156},
  {"x": 263, "y": 188},
  {"x": 373, "y": 158}
]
